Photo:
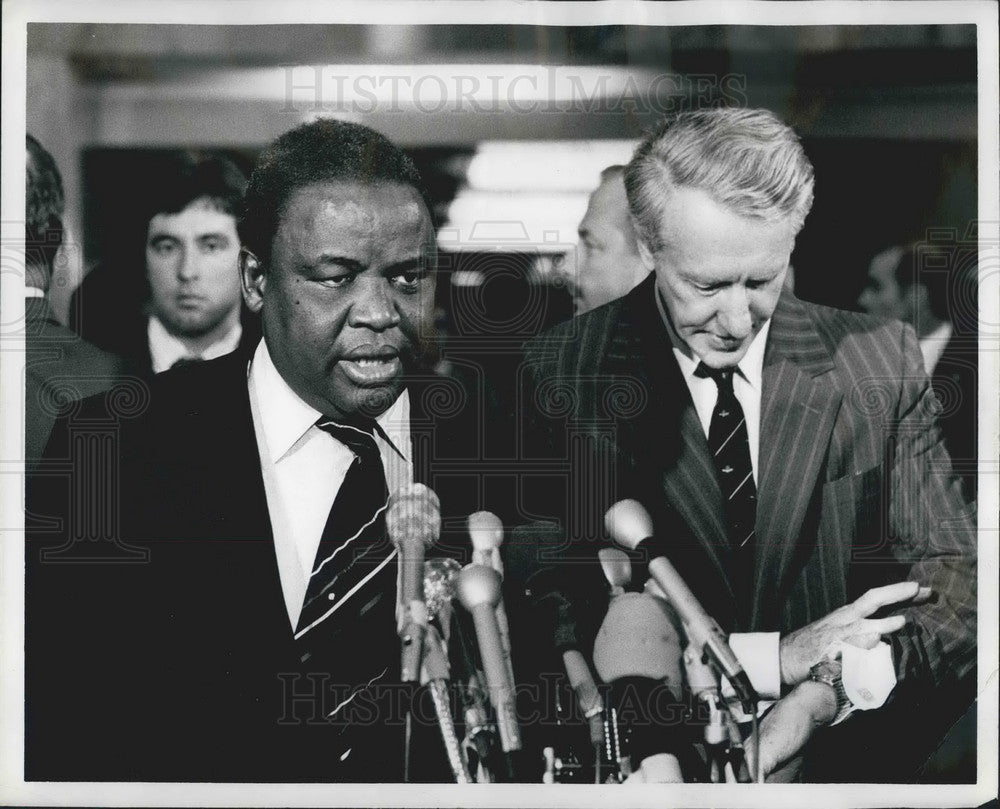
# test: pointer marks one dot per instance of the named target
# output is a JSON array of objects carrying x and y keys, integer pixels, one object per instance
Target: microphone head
[
  {"x": 628, "y": 523},
  {"x": 638, "y": 639},
  {"x": 653, "y": 589},
  {"x": 478, "y": 584},
  {"x": 414, "y": 513},
  {"x": 616, "y": 565},
  {"x": 486, "y": 531},
  {"x": 439, "y": 584}
]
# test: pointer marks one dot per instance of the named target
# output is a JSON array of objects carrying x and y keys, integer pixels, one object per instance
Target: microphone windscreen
[
  {"x": 628, "y": 523},
  {"x": 616, "y": 565},
  {"x": 485, "y": 530},
  {"x": 414, "y": 512},
  {"x": 639, "y": 639}
]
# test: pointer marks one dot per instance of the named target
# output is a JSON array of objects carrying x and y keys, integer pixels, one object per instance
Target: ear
[
  {"x": 253, "y": 280},
  {"x": 646, "y": 255}
]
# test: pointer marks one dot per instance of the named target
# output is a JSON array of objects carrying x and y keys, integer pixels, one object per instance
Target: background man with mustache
[{"x": 240, "y": 624}]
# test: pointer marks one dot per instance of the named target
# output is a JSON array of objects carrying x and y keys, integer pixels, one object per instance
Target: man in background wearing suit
[
  {"x": 59, "y": 365},
  {"x": 928, "y": 286},
  {"x": 788, "y": 453},
  {"x": 246, "y": 631},
  {"x": 607, "y": 257},
  {"x": 193, "y": 309}
]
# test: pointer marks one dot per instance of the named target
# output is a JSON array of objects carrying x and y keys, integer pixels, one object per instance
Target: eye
[
  {"x": 163, "y": 247},
  {"x": 213, "y": 244},
  {"x": 337, "y": 281},
  {"x": 409, "y": 280}
]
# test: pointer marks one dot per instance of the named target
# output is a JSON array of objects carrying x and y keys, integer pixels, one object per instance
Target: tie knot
[
  {"x": 723, "y": 376},
  {"x": 358, "y": 436},
  {"x": 184, "y": 362}
]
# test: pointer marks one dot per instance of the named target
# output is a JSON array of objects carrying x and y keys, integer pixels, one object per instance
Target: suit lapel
[
  {"x": 799, "y": 405},
  {"x": 683, "y": 464}
]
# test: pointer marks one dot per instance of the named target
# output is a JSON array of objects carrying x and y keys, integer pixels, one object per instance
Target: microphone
[
  {"x": 413, "y": 521},
  {"x": 638, "y": 652},
  {"x": 486, "y": 532},
  {"x": 617, "y": 569},
  {"x": 638, "y": 639},
  {"x": 438, "y": 588},
  {"x": 587, "y": 695},
  {"x": 478, "y": 589},
  {"x": 629, "y": 525}
]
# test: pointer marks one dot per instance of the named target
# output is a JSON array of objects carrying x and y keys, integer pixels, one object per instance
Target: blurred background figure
[
  {"x": 608, "y": 263},
  {"x": 192, "y": 303},
  {"x": 930, "y": 286},
  {"x": 59, "y": 366}
]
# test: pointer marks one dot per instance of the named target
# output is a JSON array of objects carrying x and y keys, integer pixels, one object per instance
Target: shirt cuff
[{"x": 758, "y": 654}]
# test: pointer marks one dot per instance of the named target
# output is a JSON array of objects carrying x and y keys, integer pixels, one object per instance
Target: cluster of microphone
[{"x": 657, "y": 642}]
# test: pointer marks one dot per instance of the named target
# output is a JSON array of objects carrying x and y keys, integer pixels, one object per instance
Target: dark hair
[
  {"x": 188, "y": 177},
  {"x": 321, "y": 151},
  {"x": 43, "y": 223},
  {"x": 946, "y": 270}
]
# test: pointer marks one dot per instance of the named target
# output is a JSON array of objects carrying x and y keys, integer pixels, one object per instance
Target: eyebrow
[{"x": 405, "y": 265}]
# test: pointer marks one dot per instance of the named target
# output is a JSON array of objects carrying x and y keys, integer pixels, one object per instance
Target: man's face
[
  {"x": 719, "y": 274},
  {"x": 882, "y": 294},
  {"x": 191, "y": 260},
  {"x": 348, "y": 293},
  {"x": 608, "y": 265}
]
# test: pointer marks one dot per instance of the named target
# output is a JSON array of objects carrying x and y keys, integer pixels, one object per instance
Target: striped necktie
[
  {"x": 354, "y": 547},
  {"x": 729, "y": 446}
]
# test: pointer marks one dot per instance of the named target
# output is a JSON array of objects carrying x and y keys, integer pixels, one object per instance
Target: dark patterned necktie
[
  {"x": 353, "y": 544},
  {"x": 729, "y": 446}
]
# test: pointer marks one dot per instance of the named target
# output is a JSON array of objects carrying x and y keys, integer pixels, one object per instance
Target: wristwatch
[{"x": 828, "y": 670}]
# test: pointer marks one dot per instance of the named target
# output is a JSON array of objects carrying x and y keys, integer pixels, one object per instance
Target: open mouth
[{"x": 372, "y": 370}]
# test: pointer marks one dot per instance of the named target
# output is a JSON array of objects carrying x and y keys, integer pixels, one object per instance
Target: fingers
[
  {"x": 879, "y": 597},
  {"x": 883, "y": 626}
]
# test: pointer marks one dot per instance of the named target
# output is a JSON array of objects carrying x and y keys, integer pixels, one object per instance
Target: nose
[
  {"x": 865, "y": 299},
  {"x": 373, "y": 307},
  {"x": 734, "y": 316},
  {"x": 187, "y": 264}
]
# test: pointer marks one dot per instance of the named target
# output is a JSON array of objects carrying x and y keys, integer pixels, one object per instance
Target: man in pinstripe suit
[{"x": 788, "y": 452}]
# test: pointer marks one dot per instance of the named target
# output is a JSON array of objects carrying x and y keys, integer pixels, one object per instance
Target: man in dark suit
[
  {"x": 189, "y": 306},
  {"x": 59, "y": 365},
  {"x": 787, "y": 452},
  {"x": 237, "y": 622},
  {"x": 932, "y": 286}
]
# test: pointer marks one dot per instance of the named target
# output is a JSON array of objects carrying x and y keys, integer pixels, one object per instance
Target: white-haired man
[{"x": 788, "y": 452}]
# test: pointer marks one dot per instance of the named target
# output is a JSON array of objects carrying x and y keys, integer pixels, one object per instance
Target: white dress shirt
[
  {"x": 932, "y": 346},
  {"x": 304, "y": 467},
  {"x": 165, "y": 349}
]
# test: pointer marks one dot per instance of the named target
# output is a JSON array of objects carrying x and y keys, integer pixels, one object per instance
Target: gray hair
[{"x": 746, "y": 160}]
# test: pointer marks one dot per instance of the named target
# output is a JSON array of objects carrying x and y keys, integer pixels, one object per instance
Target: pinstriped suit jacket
[{"x": 854, "y": 484}]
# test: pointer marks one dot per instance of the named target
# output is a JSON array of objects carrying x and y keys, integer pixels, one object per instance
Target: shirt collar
[
  {"x": 932, "y": 346},
  {"x": 751, "y": 367},
  {"x": 286, "y": 418},
  {"x": 165, "y": 349}
]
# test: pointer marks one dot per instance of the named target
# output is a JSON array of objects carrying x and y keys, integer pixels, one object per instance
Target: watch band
[{"x": 828, "y": 670}]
